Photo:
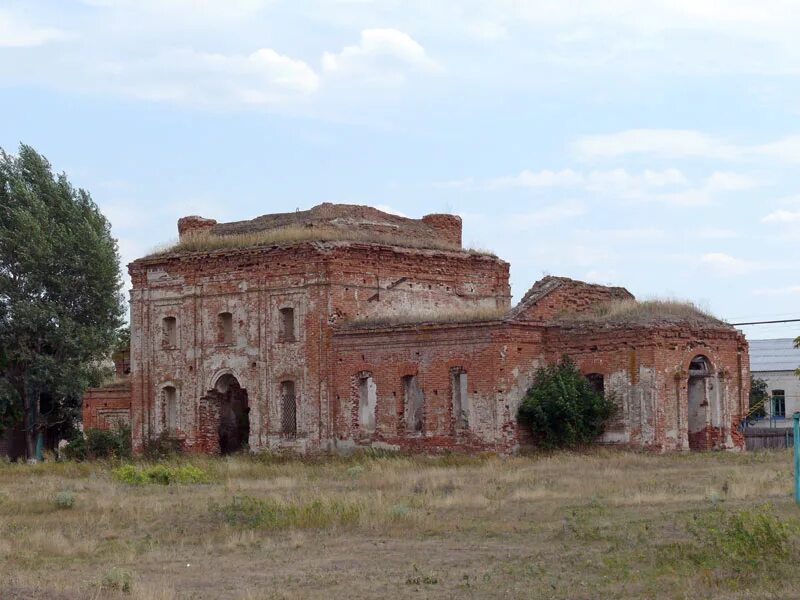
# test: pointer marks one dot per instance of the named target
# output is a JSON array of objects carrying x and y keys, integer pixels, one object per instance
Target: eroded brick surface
[{"x": 468, "y": 377}]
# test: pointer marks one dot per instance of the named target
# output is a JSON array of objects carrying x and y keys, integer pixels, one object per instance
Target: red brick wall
[
  {"x": 324, "y": 283},
  {"x": 565, "y": 296},
  {"x": 647, "y": 367},
  {"x": 104, "y": 408}
]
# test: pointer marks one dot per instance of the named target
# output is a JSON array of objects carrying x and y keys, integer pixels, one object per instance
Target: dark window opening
[
  {"x": 779, "y": 404},
  {"x": 288, "y": 409},
  {"x": 597, "y": 383}
]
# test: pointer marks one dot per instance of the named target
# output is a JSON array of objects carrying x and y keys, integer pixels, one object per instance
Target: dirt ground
[{"x": 569, "y": 526}]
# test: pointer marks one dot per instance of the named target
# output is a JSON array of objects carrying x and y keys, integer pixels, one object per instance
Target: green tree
[
  {"x": 797, "y": 345},
  {"x": 759, "y": 394},
  {"x": 561, "y": 408},
  {"x": 60, "y": 301}
]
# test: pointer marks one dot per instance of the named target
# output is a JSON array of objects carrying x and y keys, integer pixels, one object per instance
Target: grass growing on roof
[
  {"x": 207, "y": 242},
  {"x": 644, "y": 311},
  {"x": 473, "y": 315}
]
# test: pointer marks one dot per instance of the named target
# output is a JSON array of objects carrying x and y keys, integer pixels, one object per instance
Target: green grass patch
[
  {"x": 254, "y": 513},
  {"x": 161, "y": 475}
]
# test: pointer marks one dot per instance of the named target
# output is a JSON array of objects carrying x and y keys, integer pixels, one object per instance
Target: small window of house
[
  {"x": 459, "y": 384},
  {"x": 288, "y": 409},
  {"x": 287, "y": 325},
  {"x": 367, "y": 402},
  {"x": 779, "y": 403},
  {"x": 414, "y": 403},
  {"x": 170, "y": 409},
  {"x": 169, "y": 332},
  {"x": 225, "y": 326}
]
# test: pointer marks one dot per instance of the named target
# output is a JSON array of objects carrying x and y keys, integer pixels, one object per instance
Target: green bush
[
  {"x": 162, "y": 447},
  {"x": 160, "y": 475},
  {"x": 561, "y": 408},
  {"x": 65, "y": 500},
  {"x": 97, "y": 444},
  {"x": 254, "y": 513}
]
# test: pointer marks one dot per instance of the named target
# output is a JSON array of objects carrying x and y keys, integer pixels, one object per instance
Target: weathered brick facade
[{"x": 306, "y": 345}]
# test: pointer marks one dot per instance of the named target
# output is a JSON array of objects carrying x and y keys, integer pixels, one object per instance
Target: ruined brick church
[{"x": 345, "y": 327}]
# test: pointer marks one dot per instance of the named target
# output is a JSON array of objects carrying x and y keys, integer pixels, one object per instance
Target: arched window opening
[{"x": 288, "y": 409}]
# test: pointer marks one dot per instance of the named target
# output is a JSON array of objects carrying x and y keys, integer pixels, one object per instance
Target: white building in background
[{"x": 776, "y": 362}]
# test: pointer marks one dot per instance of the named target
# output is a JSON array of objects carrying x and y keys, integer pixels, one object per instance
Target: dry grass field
[{"x": 598, "y": 525}]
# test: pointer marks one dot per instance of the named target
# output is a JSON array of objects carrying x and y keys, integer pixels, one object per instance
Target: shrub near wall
[
  {"x": 100, "y": 444},
  {"x": 561, "y": 408}
]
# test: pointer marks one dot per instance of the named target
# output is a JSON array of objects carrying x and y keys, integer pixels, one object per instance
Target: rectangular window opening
[
  {"x": 171, "y": 409},
  {"x": 288, "y": 409},
  {"x": 779, "y": 404},
  {"x": 367, "y": 402},
  {"x": 459, "y": 383},
  {"x": 414, "y": 403},
  {"x": 287, "y": 325},
  {"x": 225, "y": 325},
  {"x": 169, "y": 332}
]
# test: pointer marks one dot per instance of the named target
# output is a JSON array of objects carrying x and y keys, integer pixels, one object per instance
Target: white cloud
[
  {"x": 786, "y": 150},
  {"x": 15, "y": 32},
  {"x": 789, "y": 290},
  {"x": 664, "y": 143},
  {"x": 725, "y": 181},
  {"x": 539, "y": 179},
  {"x": 682, "y": 144},
  {"x": 263, "y": 77},
  {"x": 666, "y": 186},
  {"x": 546, "y": 216},
  {"x": 782, "y": 216},
  {"x": 188, "y": 9},
  {"x": 382, "y": 56},
  {"x": 456, "y": 184},
  {"x": 725, "y": 265}
]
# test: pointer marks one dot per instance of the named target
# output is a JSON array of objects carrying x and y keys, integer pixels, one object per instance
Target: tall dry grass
[
  {"x": 467, "y": 315},
  {"x": 207, "y": 242},
  {"x": 486, "y": 526},
  {"x": 644, "y": 312}
]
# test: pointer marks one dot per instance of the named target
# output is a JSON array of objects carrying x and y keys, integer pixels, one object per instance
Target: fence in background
[{"x": 768, "y": 439}]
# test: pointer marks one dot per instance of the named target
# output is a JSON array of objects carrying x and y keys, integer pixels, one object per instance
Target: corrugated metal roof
[{"x": 774, "y": 355}]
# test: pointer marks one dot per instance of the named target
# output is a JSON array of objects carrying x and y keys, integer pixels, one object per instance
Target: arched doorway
[
  {"x": 234, "y": 414},
  {"x": 701, "y": 388}
]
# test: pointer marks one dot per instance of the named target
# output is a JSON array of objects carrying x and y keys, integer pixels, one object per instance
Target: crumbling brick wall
[
  {"x": 322, "y": 282},
  {"x": 553, "y": 297},
  {"x": 647, "y": 369},
  {"x": 200, "y": 318},
  {"x": 107, "y": 407}
]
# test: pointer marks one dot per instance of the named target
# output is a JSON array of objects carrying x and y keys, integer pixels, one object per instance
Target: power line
[{"x": 766, "y": 322}]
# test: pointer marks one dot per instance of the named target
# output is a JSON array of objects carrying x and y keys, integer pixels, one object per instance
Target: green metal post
[{"x": 797, "y": 457}]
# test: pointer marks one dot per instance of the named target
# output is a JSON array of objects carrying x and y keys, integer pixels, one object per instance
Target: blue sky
[{"x": 653, "y": 144}]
